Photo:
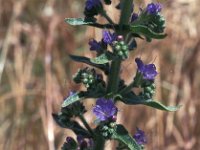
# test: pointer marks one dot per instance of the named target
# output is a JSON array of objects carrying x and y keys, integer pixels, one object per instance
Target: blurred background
[{"x": 36, "y": 73}]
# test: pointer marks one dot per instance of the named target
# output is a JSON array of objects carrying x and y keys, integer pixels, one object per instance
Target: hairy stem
[
  {"x": 133, "y": 84},
  {"x": 99, "y": 143},
  {"x": 86, "y": 124},
  {"x": 125, "y": 15},
  {"x": 113, "y": 79},
  {"x": 105, "y": 15}
]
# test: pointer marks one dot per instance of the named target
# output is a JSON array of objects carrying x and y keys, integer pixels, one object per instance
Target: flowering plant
[{"x": 118, "y": 40}]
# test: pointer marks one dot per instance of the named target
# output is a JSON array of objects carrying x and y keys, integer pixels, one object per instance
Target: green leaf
[
  {"x": 71, "y": 99},
  {"x": 77, "y": 21},
  {"x": 132, "y": 99},
  {"x": 102, "y": 59},
  {"x": 145, "y": 31},
  {"x": 158, "y": 105},
  {"x": 86, "y": 60},
  {"x": 121, "y": 134}
]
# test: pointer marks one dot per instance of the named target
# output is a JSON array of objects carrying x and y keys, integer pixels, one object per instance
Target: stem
[
  {"x": 86, "y": 124},
  {"x": 113, "y": 79},
  {"x": 100, "y": 143},
  {"x": 125, "y": 14},
  {"x": 133, "y": 84},
  {"x": 127, "y": 89},
  {"x": 105, "y": 15}
]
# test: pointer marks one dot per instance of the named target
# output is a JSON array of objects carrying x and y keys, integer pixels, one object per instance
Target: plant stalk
[
  {"x": 86, "y": 125},
  {"x": 113, "y": 79}
]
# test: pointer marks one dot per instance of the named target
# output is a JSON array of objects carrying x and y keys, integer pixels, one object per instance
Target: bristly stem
[
  {"x": 113, "y": 78},
  {"x": 133, "y": 84},
  {"x": 105, "y": 15},
  {"x": 82, "y": 118},
  {"x": 100, "y": 143},
  {"x": 125, "y": 14}
]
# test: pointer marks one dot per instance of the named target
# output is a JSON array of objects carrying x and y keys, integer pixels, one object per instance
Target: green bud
[
  {"x": 124, "y": 47},
  {"x": 120, "y": 53},
  {"x": 90, "y": 76},
  {"x": 126, "y": 53},
  {"x": 117, "y": 47},
  {"x": 147, "y": 89},
  {"x": 84, "y": 75},
  {"x": 91, "y": 81},
  {"x": 121, "y": 43},
  {"x": 85, "y": 80}
]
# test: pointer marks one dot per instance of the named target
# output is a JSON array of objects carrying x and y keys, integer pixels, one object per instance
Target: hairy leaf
[
  {"x": 77, "y": 21},
  {"x": 121, "y": 134},
  {"x": 71, "y": 99},
  {"x": 102, "y": 59},
  {"x": 103, "y": 67},
  {"x": 132, "y": 99}
]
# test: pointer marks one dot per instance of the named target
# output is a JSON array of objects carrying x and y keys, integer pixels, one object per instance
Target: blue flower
[
  {"x": 148, "y": 71},
  {"x": 105, "y": 109},
  {"x": 90, "y": 4},
  {"x": 109, "y": 37},
  {"x": 94, "y": 45},
  {"x": 140, "y": 137},
  {"x": 153, "y": 8}
]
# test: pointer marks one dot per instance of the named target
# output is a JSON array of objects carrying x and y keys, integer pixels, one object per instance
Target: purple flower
[
  {"x": 91, "y": 4},
  {"x": 148, "y": 71},
  {"x": 140, "y": 137},
  {"x": 134, "y": 17},
  {"x": 104, "y": 109},
  {"x": 153, "y": 8},
  {"x": 94, "y": 45},
  {"x": 109, "y": 37}
]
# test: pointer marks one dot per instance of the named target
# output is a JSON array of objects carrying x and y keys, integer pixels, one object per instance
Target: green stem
[
  {"x": 99, "y": 143},
  {"x": 86, "y": 124},
  {"x": 105, "y": 15},
  {"x": 127, "y": 89},
  {"x": 125, "y": 14},
  {"x": 113, "y": 79},
  {"x": 133, "y": 84}
]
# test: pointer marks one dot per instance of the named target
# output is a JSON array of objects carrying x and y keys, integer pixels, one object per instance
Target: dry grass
[{"x": 35, "y": 74}]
